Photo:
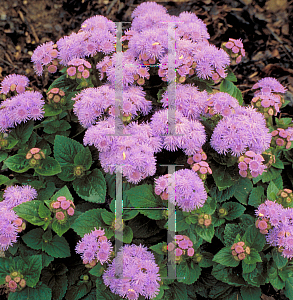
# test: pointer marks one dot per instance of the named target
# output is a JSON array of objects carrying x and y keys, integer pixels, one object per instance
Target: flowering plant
[{"x": 141, "y": 173}]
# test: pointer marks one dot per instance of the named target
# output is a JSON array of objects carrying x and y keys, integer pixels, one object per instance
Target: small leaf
[
  {"x": 228, "y": 87},
  {"x": 83, "y": 158},
  {"x": 22, "y": 132},
  {"x": 280, "y": 260},
  {"x": 256, "y": 196},
  {"x": 225, "y": 258},
  {"x": 39, "y": 292},
  {"x": 234, "y": 210},
  {"x": 29, "y": 212},
  {"x": 108, "y": 217},
  {"x": 253, "y": 257},
  {"x": 242, "y": 190},
  {"x": 253, "y": 238},
  {"x": 186, "y": 274},
  {"x": 48, "y": 167},
  {"x": 58, "y": 247},
  {"x": 272, "y": 191},
  {"x": 17, "y": 163}
]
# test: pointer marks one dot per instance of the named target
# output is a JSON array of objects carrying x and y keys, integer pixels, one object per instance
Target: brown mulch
[{"x": 264, "y": 26}]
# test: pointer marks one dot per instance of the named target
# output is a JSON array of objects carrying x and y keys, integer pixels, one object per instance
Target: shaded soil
[{"x": 264, "y": 26}]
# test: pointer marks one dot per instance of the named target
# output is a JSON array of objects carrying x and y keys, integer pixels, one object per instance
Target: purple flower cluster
[
  {"x": 62, "y": 208},
  {"x": 94, "y": 247},
  {"x": 242, "y": 131},
  {"x": 14, "y": 82},
  {"x": 221, "y": 103},
  {"x": 44, "y": 55},
  {"x": 132, "y": 273},
  {"x": 78, "y": 67},
  {"x": 250, "y": 164},
  {"x": 281, "y": 138},
  {"x": 131, "y": 70},
  {"x": 132, "y": 152},
  {"x": 277, "y": 223},
  {"x": 183, "y": 188},
  {"x": 97, "y": 34},
  {"x": 189, "y": 134},
  {"x": 269, "y": 85},
  {"x": 21, "y": 108},
  {"x": 91, "y": 103},
  {"x": 181, "y": 245},
  {"x": 235, "y": 49},
  {"x": 189, "y": 100},
  {"x": 10, "y": 223},
  {"x": 199, "y": 165}
]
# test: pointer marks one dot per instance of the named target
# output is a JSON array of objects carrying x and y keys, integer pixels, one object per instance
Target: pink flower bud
[
  {"x": 61, "y": 198},
  {"x": 56, "y": 204},
  {"x": 70, "y": 211},
  {"x": 35, "y": 150},
  {"x": 190, "y": 252},
  {"x": 171, "y": 246},
  {"x": 60, "y": 215},
  {"x": 12, "y": 284},
  {"x": 178, "y": 252},
  {"x": 65, "y": 204},
  {"x": 71, "y": 71}
]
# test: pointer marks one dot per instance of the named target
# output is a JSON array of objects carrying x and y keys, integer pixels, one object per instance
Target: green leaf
[
  {"x": 179, "y": 291},
  {"x": 97, "y": 270},
  {"x": 158, "y": 248},
  {"x": 47, "y": 192},
  {"x": 67, "y": 173},
  {"x": 127, "y": 235},
  {"x": 43, "y": 211},
  {"x": 225, "y": 258},
  {"x": 242, "y": 190},
  {"x": 108, "y": 217},
  {"x": 92, "y": 187},
  {"x": 250, "y": 293},
  {"x": 227, "y": 274},
  {"x": 253, "y": 238},
  {"x": 54, "y": 126},
  {"x": 230, "y": 233},
  {"x": 231, "y": 76},
  {"x": 269, "y": 175},
  {"x": 17, "y": 163},
  {"x": 248, "y": 268},
  {"x": 278, "y": 182},
  {"x": 256, "y": 196},
  {"x": 272, "y": 191},
  {"x": 83, "y": 158},
  {"x": 51, "y": 111},
  {"x": 3, "y": 179},
  {"x": 57, "y": 247},
  {"x": 48, "y": 167},
  {"x": 221, "y": 196},
  {"x": 186, "y": 274},
  {"x": 22, "y": 132},
  {"x": 280, "y": 260},
  {"x": 289, "y": 288},
  {"x": 253, "y": 257},
  {"x": 180, "y": 222},
  {"x": 29, "y": 212},
  {"x": 65, "y": 150},
  {"x": 64, "y": 191},
  {"x": 222, "y": 177},
  {"x": 60, "y": 229},
  {"x": 87, "y": 222},
  {"x": 33, "y": 269},
  {"x": 278, "y": 164},
  {"x": 206, "y": 233},
  {"x": 234, "y": 210},
  {"x": 227, "y": 86},
  {"x": 5, "y": 265},
  {"x": 76, "y": 292},
  {"x": 34, "y": 238},
  {"x": 3, "y": 155},
  {"x": 40, "y": 292}
]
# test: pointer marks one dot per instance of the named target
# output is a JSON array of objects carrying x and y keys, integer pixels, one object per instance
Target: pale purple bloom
[
  {"x": 223, "y": 103},
  {"x": 133, "y": 272},
  {"x": 14, "y": 82},
  {"x": 269, "y": 85}
]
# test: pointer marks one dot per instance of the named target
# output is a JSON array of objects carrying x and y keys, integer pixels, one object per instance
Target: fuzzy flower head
[
  {"x": 132, "y": 273},
  {"x": 242, "y": 131},
  {"x": 183, "y": 188},
  {"x": 270, "y": 211},
  {"x": 235, "y": 50},
  {"x": 182, "y": 245},
  {"x": 78, "y": 68},
  {"x": 269, "y": 85},
  {"x": 267, "y": 103},
  {"x": 281, "y": 139},
  {"x": 94, "y": 247},
  {"x": 240, "y": 250},
  {"x": 188, "y": 135},
  {"x": 14, "y": 83},
  {"x": 45, "y": 55},
  {"x": 251, "y": 164}
]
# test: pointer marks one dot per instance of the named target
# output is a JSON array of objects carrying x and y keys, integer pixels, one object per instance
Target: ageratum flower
[
  {"x": 269, "y": 85},
  {"x": 244, "y": 130},
  {"x": 14, "y": 82},
  {"x": 133, "y": 272},
  {"x": 21, "y": 108}
]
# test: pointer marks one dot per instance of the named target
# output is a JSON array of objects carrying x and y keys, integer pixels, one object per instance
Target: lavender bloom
[
  {"x": 44, "y": 55},
  {"x": 190, "y": 133},
  {"x": 138, "y": 273},
  {"x": 14, "y": 82},
  {"x": 94, "y": 247},
  {"x": 269, "y": 85},
  {"x": 242, "y": 131},
  {"x": 134, "y": 153},
  {"x": 21, "y": 108}
]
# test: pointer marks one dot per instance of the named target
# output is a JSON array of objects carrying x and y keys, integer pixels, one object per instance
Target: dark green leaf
[
  {"x": 253, "y": 257},
  {"x": 256, "y": 196},
  {"x": 206, "y": 233},
  {"x": 222, "y": 178},
  {"x": 250, "y": 293},
  {"x": 289, "y": 288},
  {"x": 29, "y": 212},
  {"x": 225, "y": 258},
  {"x": 253, "y": 238},
  {"x": 242, "y": 190},
  {"x": 33, "y": 269},
  {"x": 248, "y": 268},
  {"x": 22, "y": 132},
  {"x": 34, "y": 238},
  {"x": 51, "y": 111},
  {"x": 57, "y": 247},
  {"x": 17, "y": 163},
  {"x": 40, "y": 292},
  {"x": 228, "y": 87},
  {"x": 272, "y": 191},
  {"x": 48, "y": 167},
  {"x": 186, "y": 274},
  {"x": 83, "y": 158},
  {"x": 234, "y": 210},
  {"x": 279, "y": 259}
]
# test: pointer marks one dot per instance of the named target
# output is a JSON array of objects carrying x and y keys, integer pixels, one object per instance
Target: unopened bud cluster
[
  {"x": 199, "y": 165},
  {"x": 204, "y": 220},
  {"x": 222, "y": 212},
  {"x": 34, "y": 156},
  {"x": 62, "y": 208},
  {"x": 20, "y": 223},
  {"x": 78, "y": 68},
  {"x": 15, "y": 281},
  {"x": 235, "y": 49},
  {"x": 269, "y": 104},
  {"x": 78, "y": 171},
  {"x": 240, "y": 251},
  {"x": 55, "y": 97},
  {"x": 281, "y": 138},
  {"x": 181, "y": 245},
  {"x": 251, "y": 164},
  {"x": 263, "y": 224},
  {"x": 285, "y": 197}
]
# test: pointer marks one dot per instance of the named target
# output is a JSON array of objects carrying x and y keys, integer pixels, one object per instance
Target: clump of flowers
[
  {"x": 62, "y": 208},
  {"x": 183, "y": 188},
  {"x": 14, "y": 83},
  {"x": 204, "y": 220},
  {"x": 281, "y": 139},
  {"x": 94, "y": 248},
  {"x": 251, "y": 164},
  {"x": 55, "y": 96},
  {"x": 199, "y": 165},
  {"x": 21, "y": 108},
  {"x": 15, "y": 281},
  {"x": 34, "y": 156},
  {"x": 285, "y": 197},
  {"x": 235, "y": 50},
  {"x": 45, "y": 55},
  {"x": 240, "y": 250},
  {"x": 137, "y": 273},
  {"x": 78, "y": 68},
  {"x": 182, "y": 245}
]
